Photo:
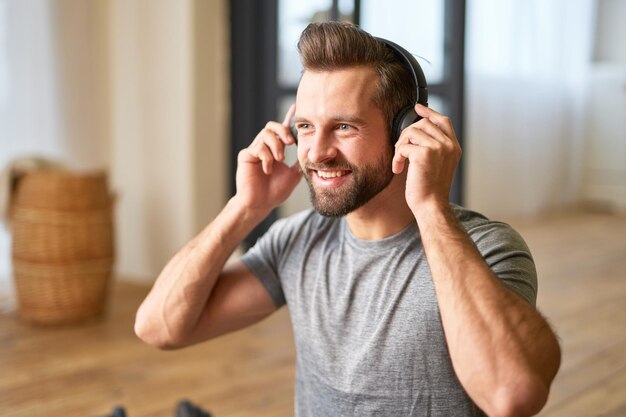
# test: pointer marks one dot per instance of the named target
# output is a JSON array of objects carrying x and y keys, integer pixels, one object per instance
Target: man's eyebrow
[
  {"x": 338, "y": 118},
  {"x": 353, "y": 120}
]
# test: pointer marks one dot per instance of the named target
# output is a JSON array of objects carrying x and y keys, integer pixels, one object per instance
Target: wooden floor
[{"x": 86, "y": 370}]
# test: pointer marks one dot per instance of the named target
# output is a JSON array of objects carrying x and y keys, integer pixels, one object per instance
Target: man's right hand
[
  {"x": 197, "y": 297},
  {"x": 263, "y": 179}
]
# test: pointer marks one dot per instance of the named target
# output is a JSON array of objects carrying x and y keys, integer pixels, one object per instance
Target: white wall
[
  {"x": 169, "y": 126},
  {"x": 604, "y": 156},
  {"x": 152, "y": 138},
  {"x": 53, "y": 89},
  {"x": 610, "y": 32}
]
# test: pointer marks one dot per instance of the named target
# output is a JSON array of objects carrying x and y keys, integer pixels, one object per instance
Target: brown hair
[{"x": 329, "y": 46}]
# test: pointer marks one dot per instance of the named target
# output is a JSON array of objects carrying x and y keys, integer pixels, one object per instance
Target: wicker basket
[{"x": 62, "y": 226}]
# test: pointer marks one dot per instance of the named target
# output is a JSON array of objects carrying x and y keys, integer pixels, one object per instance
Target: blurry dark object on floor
[
  {"x": 118, "y": 412},
  {"x": 187, "y": 409},
  {"x": 184, "y": 408}
]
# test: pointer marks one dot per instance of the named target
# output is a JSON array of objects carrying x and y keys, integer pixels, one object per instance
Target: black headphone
[{"x": 406, "y": 116}]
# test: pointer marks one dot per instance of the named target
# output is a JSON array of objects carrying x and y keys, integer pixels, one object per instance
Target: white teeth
[{"x": 330, "y": 174}]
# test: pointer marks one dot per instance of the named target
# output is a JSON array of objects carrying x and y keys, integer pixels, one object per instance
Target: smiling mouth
[{"x": 331, "y": 173}]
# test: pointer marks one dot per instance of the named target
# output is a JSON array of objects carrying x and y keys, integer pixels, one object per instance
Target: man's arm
[
  {"x": 503, "y": 351},
  {"x": 196, "y": 297}
]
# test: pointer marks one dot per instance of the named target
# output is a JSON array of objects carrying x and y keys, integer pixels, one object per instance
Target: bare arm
[
  {"x": 196, "y": 297},
  {"x": 176, "y": 313},
  {"x": 503, "y": 351}
]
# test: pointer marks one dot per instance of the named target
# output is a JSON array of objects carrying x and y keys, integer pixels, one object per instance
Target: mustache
[{"x": 343, "y": 166}]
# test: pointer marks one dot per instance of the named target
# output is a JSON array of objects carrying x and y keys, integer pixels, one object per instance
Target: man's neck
[{"x": 384, "y": 215}]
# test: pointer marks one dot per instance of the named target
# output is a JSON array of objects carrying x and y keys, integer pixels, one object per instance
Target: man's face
[{"x": 343, "y": 143}]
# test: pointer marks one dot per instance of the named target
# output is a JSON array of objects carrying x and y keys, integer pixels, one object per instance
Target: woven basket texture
[{"x": 63, "y": 245}]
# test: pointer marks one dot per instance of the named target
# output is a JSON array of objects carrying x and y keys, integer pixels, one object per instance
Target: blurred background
[
  {"x": 162, "y": 94},
  {"x": 146, "y": 90}
]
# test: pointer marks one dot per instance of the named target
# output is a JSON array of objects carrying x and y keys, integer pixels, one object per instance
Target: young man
[{"x": 402, "y": 304}]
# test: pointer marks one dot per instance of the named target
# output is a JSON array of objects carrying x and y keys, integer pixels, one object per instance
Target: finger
[
  {"x": 443, "y": 122},
  {"x": 256, "y": 154},
  {"x": 399, "y": 160},
  {"x": 245, "y": 156},
  {"x": 411, "y": 153},
  {"x": 275, "y": 145},
  {"x": 289, "y": 115},
  {"x": 294, "y": 178},
  {"x": 287, "y": 123},
  {"x": 416, "y": 136},
  {"x": 432, "y": 130},
  {"x": 264, "y": 155},
  {"x": 296, "y": 167},
  {"x": 281, "y": 131}
]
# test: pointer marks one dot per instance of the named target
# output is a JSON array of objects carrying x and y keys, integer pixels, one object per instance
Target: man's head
[
  {"x": 331, "y": 46},
  {"x": 351, "y": 88}
]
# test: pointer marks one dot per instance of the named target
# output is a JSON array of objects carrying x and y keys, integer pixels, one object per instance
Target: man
[{"x": 401, "y": 303}]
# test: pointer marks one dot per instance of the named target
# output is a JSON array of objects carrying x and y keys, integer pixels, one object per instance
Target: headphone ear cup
[{"x": 403, "y": 119}]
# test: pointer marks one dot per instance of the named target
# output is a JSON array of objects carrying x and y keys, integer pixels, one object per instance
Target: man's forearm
[
  {"x": 173, "y": 308},
  {"x": 503, "y": 351}
]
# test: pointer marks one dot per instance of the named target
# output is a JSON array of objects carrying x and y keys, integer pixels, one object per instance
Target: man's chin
[
  {"x": 330, "y": 204},
  {"x": 324, "y": 211},
  {"x": 330, "y": 208}
]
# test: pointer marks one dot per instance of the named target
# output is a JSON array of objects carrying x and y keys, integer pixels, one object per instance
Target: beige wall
[
  {"x": 169, "y": 126},
  {"x": 80, "y": 35},
  {"x": 211, "y": 109}
]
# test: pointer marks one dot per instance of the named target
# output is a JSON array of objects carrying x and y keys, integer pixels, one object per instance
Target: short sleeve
[
  {"x": 263, "y": 260},
  {"x": 508, "y": 256}
]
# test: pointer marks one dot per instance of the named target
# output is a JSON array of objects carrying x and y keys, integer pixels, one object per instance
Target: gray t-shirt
[{"x": 366, "y": 322}]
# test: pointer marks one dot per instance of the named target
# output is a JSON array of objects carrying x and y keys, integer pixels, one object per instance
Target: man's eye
[
  {"x": 344, "y": 126},
  {"x": 303, "y": 126}
]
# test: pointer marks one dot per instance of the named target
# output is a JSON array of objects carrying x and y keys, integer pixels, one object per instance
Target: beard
[{"x": 365, "y": 183}]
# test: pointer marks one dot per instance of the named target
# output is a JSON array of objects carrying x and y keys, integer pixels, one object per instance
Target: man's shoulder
[
  {"x": 486, "y": 232},
  {"x": 471, "y": 219}
]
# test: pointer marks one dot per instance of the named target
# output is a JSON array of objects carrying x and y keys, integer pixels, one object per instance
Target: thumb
[
  {"x": 295, "y": 174},
  {"x": 296, "y": 168}
]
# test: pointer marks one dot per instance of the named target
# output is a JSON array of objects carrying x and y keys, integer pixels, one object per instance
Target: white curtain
[{"x": 526, "y": 64}]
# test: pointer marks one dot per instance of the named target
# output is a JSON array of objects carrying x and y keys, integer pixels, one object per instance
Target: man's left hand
[{"x": 433, "y": 152}]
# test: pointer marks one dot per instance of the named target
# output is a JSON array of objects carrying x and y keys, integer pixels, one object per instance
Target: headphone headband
[
  {"x": 407, "y": 115},
  {"x": 414, "y": 67}
]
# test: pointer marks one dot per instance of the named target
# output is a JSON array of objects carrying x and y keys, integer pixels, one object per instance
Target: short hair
[{"x": 330, "y": 46}]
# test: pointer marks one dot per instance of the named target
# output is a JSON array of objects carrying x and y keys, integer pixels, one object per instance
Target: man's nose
[{"x": 322, "y": 148}]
